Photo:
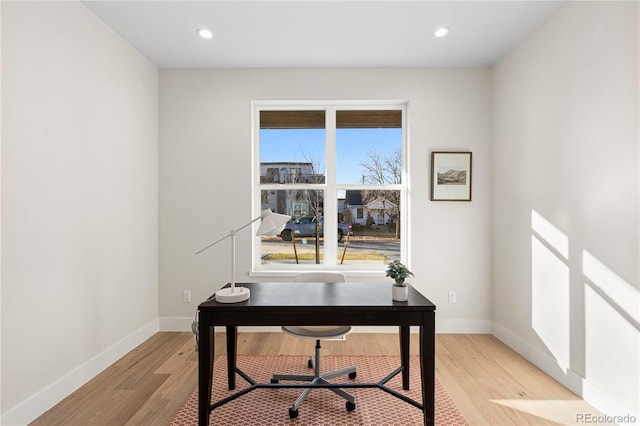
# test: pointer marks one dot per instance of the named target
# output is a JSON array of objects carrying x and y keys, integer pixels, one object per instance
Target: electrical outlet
[
  {"x": 186, "y": 296},
  {"x": 452, "y": 297}
]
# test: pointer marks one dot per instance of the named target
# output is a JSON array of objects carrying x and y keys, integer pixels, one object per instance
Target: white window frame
[{"x": 330, "y": 187}]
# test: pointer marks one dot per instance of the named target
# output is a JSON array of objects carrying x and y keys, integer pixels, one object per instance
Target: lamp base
[{"x": 229, "y": 295}]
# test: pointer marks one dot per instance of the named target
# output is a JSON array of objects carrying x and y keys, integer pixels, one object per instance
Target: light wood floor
[{"x": 490, "y": 383}]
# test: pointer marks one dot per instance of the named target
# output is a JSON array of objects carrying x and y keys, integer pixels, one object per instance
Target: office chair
[{"x": 319, "y": 333}]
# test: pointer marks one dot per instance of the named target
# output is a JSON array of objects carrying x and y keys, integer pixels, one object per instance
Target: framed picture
[{"x": 451, "y": 176}]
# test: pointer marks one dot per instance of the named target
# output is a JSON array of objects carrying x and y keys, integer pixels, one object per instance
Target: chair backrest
[
  {"x": 317, "y": 331},
  {"x": 321, "y": 277}
]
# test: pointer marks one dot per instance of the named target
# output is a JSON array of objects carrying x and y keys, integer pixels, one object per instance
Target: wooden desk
[{"x": 294, "y": 303}]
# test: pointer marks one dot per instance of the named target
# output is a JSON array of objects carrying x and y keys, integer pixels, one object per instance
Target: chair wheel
[
  {"x": 274, "y": 380},
  {"x": 350, "y": 406},
  {"x": 352, "y": 375},
  {"x": 294, "y": 413}
]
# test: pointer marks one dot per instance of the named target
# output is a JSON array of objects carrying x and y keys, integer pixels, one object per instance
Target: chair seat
[{"x": 318, "y": 332}]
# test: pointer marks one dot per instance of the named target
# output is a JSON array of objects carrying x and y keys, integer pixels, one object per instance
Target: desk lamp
[{"x": 271, "y": 224}]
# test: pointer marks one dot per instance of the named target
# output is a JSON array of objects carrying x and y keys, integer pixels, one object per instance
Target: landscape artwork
[{"x": 450, "y": 176}]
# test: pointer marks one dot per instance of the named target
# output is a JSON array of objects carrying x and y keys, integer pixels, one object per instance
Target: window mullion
[{"x": 330, "y": 198}]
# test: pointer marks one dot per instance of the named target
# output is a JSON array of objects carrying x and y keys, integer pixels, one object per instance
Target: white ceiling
[{"x": 256, "y": 34}]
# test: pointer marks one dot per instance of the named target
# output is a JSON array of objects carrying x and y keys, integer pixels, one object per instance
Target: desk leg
[
  {"x": 205, "y": 368},
  {"x": 232, "y": 344},
  {"x": 404, "y": 355},
  {"x": 428, "y": 366}
]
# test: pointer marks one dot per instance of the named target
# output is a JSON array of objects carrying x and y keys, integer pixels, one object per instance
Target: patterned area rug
[{"x": 321, "y": 407}]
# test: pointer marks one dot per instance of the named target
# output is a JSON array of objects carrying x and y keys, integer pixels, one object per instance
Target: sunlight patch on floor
[{"x": 563, "y": 412}]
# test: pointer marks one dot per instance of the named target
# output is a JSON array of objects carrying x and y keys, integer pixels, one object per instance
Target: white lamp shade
[{"x": 272, "y": 223}]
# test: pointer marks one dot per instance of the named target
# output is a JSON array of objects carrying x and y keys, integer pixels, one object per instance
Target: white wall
[
  {"x": 205, "y": 176},
  {"x": 565, "y": 201},
  {"x": 79, "y": 202}
]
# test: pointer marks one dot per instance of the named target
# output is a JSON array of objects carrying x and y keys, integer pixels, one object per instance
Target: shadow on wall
[{"x": 609, "y": 311}]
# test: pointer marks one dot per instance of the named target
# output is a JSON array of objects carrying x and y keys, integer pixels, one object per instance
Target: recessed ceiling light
[
  {"x": 205, "y": 33},
  {"x": 441, "y": 32}
]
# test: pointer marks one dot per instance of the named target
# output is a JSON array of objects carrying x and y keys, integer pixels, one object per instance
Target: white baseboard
[
  {"x": 34, "y": 406},
  {"x": 176, "y": 323},
  {"x": 462, "y": 326},
  {"x": 442, "y": 326},
  {"x": 568, "y": 378},
  {"x": 577, "y": 384}
]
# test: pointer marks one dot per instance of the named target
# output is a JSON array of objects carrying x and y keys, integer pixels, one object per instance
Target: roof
[{"x": 353, "y": 197}]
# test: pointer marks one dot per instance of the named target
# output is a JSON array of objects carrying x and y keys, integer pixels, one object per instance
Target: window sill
[{"x": 289, "y": 273}]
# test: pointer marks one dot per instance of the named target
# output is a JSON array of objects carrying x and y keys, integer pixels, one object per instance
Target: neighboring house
[
  {"x": 293, "y": 202},
  {"x": 381, "y": 210},
  {"x": 374, "y": 212},
  {"x": 341, "y": 202},
  {"x": 289, "y": 172},
  {"x": 353, "y": 204}
]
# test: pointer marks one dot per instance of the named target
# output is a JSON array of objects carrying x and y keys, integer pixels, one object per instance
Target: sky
[{"x": 352, "y": 148}]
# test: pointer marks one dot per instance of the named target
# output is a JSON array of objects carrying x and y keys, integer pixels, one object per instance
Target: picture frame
[{"x": 451, "y": 175}]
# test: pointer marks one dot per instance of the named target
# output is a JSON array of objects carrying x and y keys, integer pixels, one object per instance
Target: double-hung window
[{"x": 339, "y": 169}]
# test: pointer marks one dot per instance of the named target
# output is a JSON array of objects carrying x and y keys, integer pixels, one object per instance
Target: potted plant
[{"x": 399, "y": 272}]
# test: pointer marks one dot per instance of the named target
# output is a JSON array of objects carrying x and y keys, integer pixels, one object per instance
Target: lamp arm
[
  {"x": 230, "y": 234},
  {"x": 213, "y": 243},
  {"x": 244, "y": 226}
]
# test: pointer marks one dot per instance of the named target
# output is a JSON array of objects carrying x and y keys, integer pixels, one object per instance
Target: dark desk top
[{"x": 305, "y": 296}]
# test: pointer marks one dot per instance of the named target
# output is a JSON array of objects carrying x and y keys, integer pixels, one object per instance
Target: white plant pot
[{"x": 400, "y": 294}]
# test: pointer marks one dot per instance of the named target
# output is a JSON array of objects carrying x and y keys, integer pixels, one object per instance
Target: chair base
[{"x": 318, "y": 378}]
